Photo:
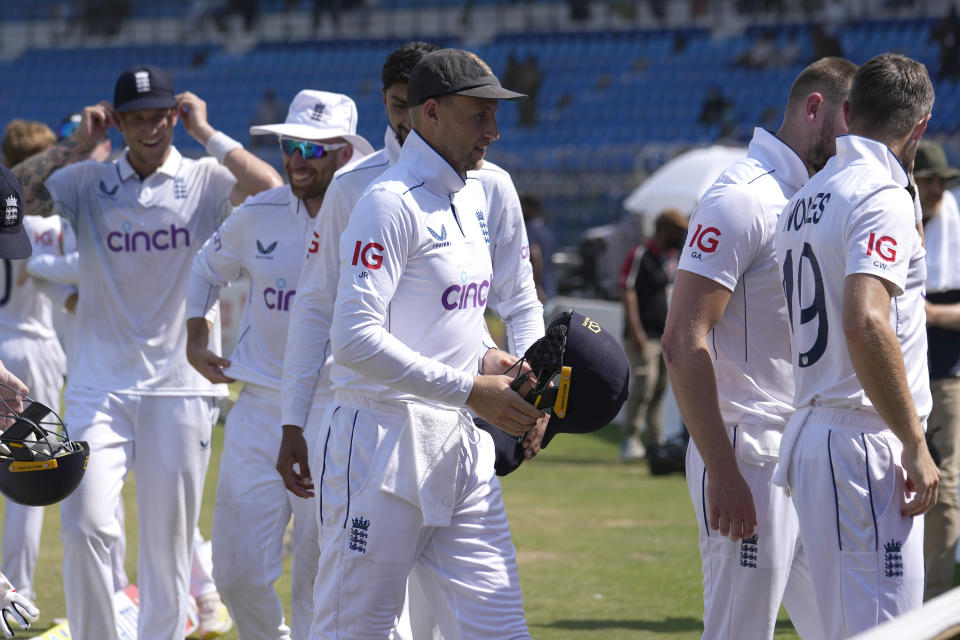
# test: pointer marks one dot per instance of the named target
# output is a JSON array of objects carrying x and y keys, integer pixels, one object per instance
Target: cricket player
[
  {"x": 306, "y": 373},
  {"x": 851, "y": 258},
  {"x": 266, "y": 238},
  {"x": 727, "y": 352},
  {"x": 14, "y": 245},
  {"x": 30, "y": 348},
  {"x": 407, "y": 480},
  {"x": 132, "y": 395}
]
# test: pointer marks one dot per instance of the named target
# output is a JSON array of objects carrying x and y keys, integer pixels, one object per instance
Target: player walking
[
  {"x": 734, "y": 388},
  {"x": 139, "y": 222},
  {"x": 266, "y": 238},
  {"x": 852, "y": 265},
  {"x": 407, "y": 480}
]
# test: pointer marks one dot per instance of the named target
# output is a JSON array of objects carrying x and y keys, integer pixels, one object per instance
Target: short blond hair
[{"x": 24, "y": 138}]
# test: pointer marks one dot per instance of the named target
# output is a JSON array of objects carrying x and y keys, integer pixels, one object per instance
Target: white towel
[
  {"x": 791, "y": 432},
  {"x": 423, "y": 465}
]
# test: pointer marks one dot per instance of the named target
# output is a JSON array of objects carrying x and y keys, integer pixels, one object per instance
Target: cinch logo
[
  {"x": 473, "y": 294},
  {"x": 883, "y": 246},
  {"x": 159, "y": 240},
  {"x": 706, "y": 240},
  {"x": 370, "y": 255},
  {"x": 278, "y": 299}
]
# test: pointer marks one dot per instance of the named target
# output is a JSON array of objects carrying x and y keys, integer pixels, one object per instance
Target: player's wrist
[{"x": 220, "y": 144}]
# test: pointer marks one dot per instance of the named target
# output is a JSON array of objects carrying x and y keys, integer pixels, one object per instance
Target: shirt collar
[
  {"x": 169, "y": 167},
  {"x": 852, "y": 147},
  {"x": 391, "y": 145},
  {"x": 429, "y": 166},
  {"x": 774, "y": 152}
]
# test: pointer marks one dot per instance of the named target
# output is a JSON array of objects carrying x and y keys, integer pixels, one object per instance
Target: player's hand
[
  {"x": 292, "y": 462},
  {"x": 209, "y": 364},
  {"x": 193, "y": 114},
  {"x": 532, "y": 439},
  {"x": 923, "y": 478},
  {"x": 14, "y": 608},
  {"x": 12, "y": 393},
  {"x": 730, "y": 505},
  {"x": 497, "y": 361},
  {"x": 493, "y": 400},
  {"x": 95, "y": 121}
]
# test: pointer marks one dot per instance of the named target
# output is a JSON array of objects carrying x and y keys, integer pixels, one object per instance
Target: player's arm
[
  {"x": 878, "y": 362},
  {"x": 696, "y": 306},
  {"x": 218, "y": 263},
  {"x": 945, "y": 316},
  {"x": 32, "y": 172},
  {"x": 253, "y": 174}
]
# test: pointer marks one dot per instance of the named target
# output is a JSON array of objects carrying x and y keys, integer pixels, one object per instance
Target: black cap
[
  {"x": 14, "y": 241},
  {"x": 454, "y": 71},
  {"x": 592, "y": 370},
  {"x": 143, "y": 86}
]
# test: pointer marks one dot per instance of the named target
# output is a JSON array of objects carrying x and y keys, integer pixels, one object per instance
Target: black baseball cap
[
  {"x": 446, "y": 72},
  {"x": 14, "y": 241},
  {"x": 143, "y": 86}
]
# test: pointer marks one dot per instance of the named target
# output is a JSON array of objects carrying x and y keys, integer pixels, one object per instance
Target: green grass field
[{"x": 606, "y": 551}]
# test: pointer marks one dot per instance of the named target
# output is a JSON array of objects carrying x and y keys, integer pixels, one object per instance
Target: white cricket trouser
[
  {"x": 40, "y": 364},
  {"x": 372, "y": 540},
  {"x": 165, "y": 441},
  {"x": 744, "y": 581},
  {"x": 251, "y": 514},
  {"x": 866, "y": 559}
]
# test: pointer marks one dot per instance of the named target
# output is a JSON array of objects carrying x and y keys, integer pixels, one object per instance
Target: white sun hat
[{"x": 319, "y": 115}]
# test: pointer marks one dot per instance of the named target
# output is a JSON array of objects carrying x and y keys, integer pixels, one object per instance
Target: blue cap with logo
[
  {"x": 143, "y": 86},
  {"x": 582, "y": 375},
  {"x": 14, "y": 241}
]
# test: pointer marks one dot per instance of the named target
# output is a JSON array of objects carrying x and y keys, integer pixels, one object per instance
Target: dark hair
[
  {"x": 401, "y": 62},
  {"x": 890, "y": 94},
  {"x": 829, "y": 76}
]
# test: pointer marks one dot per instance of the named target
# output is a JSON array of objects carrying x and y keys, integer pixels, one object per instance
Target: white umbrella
[{"x": 680, "y": 182}]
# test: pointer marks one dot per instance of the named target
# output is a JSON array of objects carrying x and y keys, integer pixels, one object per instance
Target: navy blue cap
[
  {"x": 14, "y": 241},
  {"x": 143, "y": 86},
  {"x": 590, "y": 372}
]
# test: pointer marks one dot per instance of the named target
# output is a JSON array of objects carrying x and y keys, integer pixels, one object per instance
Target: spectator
[
  {"x": 268, "y": 111},
  {"x": 541, "y": 247},
  {"x": 645, "y": 280},
  {"x": 946, "y": 32},
  {"x": 717, "y": 109},
  {"x": 941, "y": 230},
  {"x": 24, "y": 138},
  {"x": 825, "y": 44}
]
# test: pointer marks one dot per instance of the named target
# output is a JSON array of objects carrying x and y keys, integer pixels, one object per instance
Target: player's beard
[{"x": 824, "y": 148}]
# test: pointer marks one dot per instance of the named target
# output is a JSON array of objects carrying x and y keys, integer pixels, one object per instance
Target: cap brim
[
  {"x": 147, "y": 102},
  {"x": 491, "y": 91},
  {"x": 15, "y": 246},
  {"x": 944, "y": 174},
  {"x": 306, "y": 132}
]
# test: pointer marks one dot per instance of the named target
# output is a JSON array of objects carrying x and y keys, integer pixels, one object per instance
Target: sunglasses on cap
[
  {"x": 308, "y": 150},
  {"x": 67, "y": 128}
]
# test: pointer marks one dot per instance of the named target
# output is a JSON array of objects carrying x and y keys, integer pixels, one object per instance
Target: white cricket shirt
[
  {"x": 415, "y": 274},
  {"x": 941, "y": 233},
  {"x": 730, "y": 241},
  {"x": 855, "y": 216},
  {"x": 26, "y": 304},
  {"x": 307, "y": 361},
  {"x": 264, "y": 238},
  {"x": 513, "y": 294},
  {"x": 136, "y": 241}
]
